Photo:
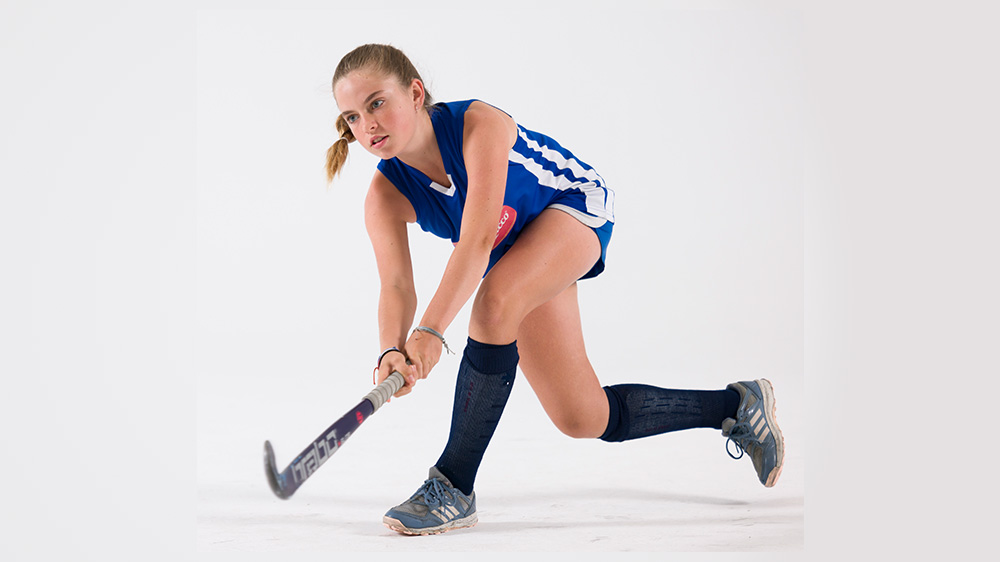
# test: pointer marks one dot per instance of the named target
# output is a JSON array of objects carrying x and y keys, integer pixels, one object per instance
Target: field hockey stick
[{"x": 285, "y": 483}]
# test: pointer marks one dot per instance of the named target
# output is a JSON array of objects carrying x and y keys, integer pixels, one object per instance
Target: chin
[{"x": 384, "y": 154}]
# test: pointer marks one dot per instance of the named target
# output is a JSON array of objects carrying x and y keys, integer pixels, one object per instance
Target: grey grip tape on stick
[{"x": 385, "y": 390}]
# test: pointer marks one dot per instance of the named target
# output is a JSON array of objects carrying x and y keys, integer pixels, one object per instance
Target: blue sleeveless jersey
[{"x": 541, "y": 174}]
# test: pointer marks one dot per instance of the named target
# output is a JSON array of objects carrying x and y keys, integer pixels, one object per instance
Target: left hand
[
  {"x": 424, "y": 352},
  {"x": 395, "y": 362}
]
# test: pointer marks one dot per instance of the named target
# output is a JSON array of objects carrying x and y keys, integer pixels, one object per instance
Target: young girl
[{"x": 528, "y": 219}]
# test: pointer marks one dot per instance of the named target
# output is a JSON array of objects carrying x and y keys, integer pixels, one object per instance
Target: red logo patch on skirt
[{"x": 507, "y": 217}]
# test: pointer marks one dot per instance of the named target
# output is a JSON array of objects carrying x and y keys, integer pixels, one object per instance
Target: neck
[{"x": 422, "y": 152}]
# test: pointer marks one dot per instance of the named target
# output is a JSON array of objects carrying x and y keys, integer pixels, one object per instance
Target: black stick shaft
[{"x": 286, "y": 482}]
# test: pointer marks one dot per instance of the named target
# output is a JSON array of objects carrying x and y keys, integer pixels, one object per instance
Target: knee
[
  {"x": 495, "y": 312},
  {"x": 579, "y": 426}
]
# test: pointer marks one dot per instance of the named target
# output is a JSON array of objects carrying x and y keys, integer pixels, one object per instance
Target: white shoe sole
[
  {"x": 463, "y": 523},
  {"x": 779, "y": 441}
]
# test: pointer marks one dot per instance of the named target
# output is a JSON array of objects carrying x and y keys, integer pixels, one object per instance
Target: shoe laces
[
  {"x": 435, "y": 492},
  {"x": 741, "y": 435}
]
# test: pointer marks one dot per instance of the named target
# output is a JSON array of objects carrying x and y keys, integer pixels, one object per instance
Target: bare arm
[
  {"x": 386, "y": 213},
  {"x": 489, "y": 135}
]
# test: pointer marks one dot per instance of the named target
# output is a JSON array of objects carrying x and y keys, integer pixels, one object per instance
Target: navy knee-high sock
[
  {"x": 485, "y": 378},
  {"x": 639, "y": 410}
]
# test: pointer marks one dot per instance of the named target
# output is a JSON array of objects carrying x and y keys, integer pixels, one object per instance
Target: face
[{"x": 382, "y": 113}]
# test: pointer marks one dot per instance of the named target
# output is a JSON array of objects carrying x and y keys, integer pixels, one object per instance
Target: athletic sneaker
[
  {"x": 435, "y": 508},
  {"x": 755, "y": 431}
]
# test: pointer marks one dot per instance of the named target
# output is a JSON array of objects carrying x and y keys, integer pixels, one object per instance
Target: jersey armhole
[{"x": 380, "y": 177}]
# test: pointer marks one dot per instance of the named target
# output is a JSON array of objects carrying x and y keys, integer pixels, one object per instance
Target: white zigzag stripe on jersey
[
  {"x": 595, "y": 194},
  {"x": 564, "y": 163}
]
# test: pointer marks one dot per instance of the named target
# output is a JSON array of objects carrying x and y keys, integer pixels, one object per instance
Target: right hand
[{"x": 393, "y": 361}]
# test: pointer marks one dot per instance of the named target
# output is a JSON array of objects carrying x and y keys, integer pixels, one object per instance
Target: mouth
[{"x": 378, "y": 142}]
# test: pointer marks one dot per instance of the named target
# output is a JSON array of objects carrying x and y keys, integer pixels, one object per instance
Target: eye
[
  {"x": 351, "y": 119},
  {"x": 377, "y": 103}
]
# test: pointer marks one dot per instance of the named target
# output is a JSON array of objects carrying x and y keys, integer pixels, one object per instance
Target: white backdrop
[
  {"x": 169, "y": 298},
  {"x": 694, "y": 118}
]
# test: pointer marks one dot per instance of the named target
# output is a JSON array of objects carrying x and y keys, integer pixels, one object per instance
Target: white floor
[{"x": 538, "y": 490}]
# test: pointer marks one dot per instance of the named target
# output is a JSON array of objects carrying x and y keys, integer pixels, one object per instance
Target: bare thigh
[
  {"x": 530, "y": 295},
  {"x": 550, "y": 254}
]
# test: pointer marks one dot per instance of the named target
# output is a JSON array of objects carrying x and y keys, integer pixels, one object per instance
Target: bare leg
[
  {"x": 552, "y": 252},
  {"x": 554, "y": 362},
  {"x": 531, "y": 296}
]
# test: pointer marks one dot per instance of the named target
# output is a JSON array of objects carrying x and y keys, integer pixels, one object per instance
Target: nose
[{"x": 369, "y": 123}]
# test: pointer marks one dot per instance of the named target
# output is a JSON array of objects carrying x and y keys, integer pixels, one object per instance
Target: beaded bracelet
[{"x": 434, "y": 333}]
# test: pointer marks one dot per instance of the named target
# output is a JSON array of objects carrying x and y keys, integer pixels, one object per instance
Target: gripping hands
[{"x": 415, "y": 361}]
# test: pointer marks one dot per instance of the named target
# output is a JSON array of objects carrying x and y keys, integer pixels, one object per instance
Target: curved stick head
[{"x": 271, "y": 471}]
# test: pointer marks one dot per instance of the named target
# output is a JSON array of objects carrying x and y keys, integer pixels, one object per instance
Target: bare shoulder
[
  {"x": 482, "y": 117},
  {"x": 385, "y": 202}
]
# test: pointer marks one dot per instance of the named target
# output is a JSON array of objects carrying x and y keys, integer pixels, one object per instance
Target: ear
[{"x": 417, "y": 93}]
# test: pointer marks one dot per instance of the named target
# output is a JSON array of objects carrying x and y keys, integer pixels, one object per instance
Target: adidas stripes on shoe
[{"x": 434, "y": 508}]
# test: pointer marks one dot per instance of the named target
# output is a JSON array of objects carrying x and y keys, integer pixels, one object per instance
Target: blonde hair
[{"x": 382, "y": 58}]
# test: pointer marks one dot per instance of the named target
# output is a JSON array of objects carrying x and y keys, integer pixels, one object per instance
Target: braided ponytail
[{"x": 336, "y": 155}]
